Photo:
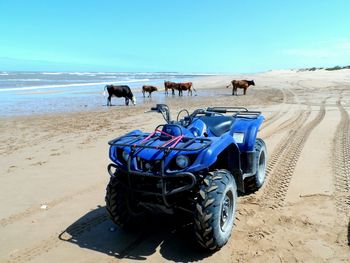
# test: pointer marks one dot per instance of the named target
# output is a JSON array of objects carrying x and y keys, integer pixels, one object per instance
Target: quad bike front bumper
[{"x": 164, "y": 185}]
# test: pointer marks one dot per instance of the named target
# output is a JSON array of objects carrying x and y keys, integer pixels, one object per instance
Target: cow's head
[
  {"x": 253, "y": 83},
  {"x": 133, "y": 99}
]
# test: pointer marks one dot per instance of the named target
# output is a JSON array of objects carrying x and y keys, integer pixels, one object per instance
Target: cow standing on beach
[
  {"x": 185, "y": 86},
  {"x": 119, "y": 91},
  {"x": 170, "y": 85},
  {"x": 181, "y": 86},
  {"x": 149, "y": 89},
  {"x": 240, "y": 84}
]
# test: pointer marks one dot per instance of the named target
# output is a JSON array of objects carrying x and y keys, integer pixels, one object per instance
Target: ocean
[{"x": 28, "y": 93}]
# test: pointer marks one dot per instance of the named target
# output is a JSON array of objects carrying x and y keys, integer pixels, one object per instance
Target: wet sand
[{"x": 53, "y": 178}]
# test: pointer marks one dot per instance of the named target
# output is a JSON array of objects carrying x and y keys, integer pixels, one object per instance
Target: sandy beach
[{"x": 53, "y": 178}]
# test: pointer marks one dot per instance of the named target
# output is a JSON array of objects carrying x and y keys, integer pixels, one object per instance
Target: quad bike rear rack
[{"x": 239, "y": 112}]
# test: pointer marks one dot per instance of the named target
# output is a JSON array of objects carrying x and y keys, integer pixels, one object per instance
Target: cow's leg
[
  {"x": 109, "y": 100},
  {"x": 149, "y": 94},
  {"x": 172, "y": 92},
  {"x": 143, "y": 92},
  {"x": 126, "y": 101},
  {"x": 244, "y": 91}
]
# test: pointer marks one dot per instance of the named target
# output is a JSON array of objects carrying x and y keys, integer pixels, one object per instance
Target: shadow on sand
[
  {"x": 114, "y": 105},
  {"x": 172, "y": 238}
]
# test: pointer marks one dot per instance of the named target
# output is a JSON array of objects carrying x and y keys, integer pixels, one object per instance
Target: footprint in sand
[
  {"x": 11, "y": 168},
  {"x": 38, "y": 163}
]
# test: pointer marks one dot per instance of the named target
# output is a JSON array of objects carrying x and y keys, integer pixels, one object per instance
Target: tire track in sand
[
  {"x": 284, "y": 161},
  {"x": 285, "y": 141},
  {"x": 286, "y": 125},
  {"x": 341, "y": 162},
  {"x": 274, "y": 158},
  {"x": 36, "y": 209},
  {"x": 55, "y": 240},
  {"x": 276, "y": 115},
  {"x": 70, "y": 235}
]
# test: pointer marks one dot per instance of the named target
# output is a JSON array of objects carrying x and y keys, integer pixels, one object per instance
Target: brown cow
[
  {"x": 185, "y": 86},
  {"x": 240, "y": 84},
  {"x": 170, "y": 85},
  {"x": 149, "y": 89}
]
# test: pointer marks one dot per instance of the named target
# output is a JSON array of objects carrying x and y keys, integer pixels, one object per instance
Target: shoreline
[
  {"x": 72, "y": 97},
  {"x": 76, "y": 98}
]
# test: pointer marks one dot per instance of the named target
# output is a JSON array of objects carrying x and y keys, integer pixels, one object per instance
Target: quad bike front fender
[
  {"x": 249, "y": 128},
  {"x": 209, "y": 156}
]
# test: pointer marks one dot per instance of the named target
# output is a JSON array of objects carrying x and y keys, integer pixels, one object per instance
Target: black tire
[
  {"x": 120, "y": 207},
  {"x": 215, "y": 209},
  {"x": 254, "y": 182}
]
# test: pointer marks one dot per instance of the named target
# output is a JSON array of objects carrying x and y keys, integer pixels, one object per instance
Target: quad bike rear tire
[
  {"x": 120, "y": 206},
  {"x": 215, "y": 209},
  {"x": 254, "y": 182}
]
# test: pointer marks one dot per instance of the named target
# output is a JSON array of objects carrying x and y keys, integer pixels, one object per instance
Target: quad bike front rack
[
  {"x": 143, "y": 141},
  {"x": 169, "y": 145}
]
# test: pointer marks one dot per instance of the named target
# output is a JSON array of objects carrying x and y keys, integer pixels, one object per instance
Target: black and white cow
[{"x": 120, "y": 91}]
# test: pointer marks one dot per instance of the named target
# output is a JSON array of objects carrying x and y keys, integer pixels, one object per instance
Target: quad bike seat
[{"x": 218, "y": 125}]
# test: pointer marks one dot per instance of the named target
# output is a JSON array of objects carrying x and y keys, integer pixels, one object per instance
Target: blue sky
[{"x": 181, "y": 35}]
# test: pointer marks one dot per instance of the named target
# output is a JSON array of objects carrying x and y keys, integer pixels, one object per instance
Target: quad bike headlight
[
  {"x": 125, "y": 156},
  {"x": 182, "y": 161}
]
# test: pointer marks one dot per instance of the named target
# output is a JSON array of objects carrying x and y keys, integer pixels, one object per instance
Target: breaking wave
[{"x": 73, "y": 85}]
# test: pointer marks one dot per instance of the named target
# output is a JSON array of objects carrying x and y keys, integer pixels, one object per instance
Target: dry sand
[{"x": 53, "y": 177}]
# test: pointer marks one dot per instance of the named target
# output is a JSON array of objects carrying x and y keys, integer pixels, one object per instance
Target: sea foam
[{"x": 74, "y": 85}]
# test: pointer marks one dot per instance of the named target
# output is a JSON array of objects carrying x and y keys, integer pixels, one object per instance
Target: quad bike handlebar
[{"x": 164, "y": 110}]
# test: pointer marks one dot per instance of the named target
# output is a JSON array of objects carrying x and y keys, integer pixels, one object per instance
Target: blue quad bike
[{"x": 195, "y": 165}]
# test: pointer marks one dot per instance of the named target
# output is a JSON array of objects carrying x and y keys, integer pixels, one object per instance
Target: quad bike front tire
[
  {"x": 215, "y": 209},
  {"x": 120, "y": 206},
  {"x": 254, "y": 182}
]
